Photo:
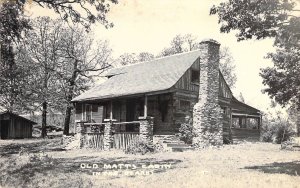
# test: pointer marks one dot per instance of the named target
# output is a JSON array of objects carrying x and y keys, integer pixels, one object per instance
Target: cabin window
[
  {"x": 88, "y": 116},
  {"x": 195, "y": 76},
  {"x": 184, "y": 105}
]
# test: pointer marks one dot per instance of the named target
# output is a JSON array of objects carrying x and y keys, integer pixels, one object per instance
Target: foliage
[
  {"x": 294, "y": 116},
  {"x": 227, "y": 67},
  {"x": 85, "y": 12},
  {"x": 139, "y": 147},
  {"x": 13, "y": 80},
  {"x": 261, "y": 19},
  {"x": 282, "y": 80},
  {"x": 291, "y": 144},
  {"x": 65, "y": 60},
  {"x": 131, "y": 58},
  {"x": 12, "y": 21},
  {"x": 186, "y": 131},
  {"x": 254, "y": 18},
  {"x": 12, "y": 74},
  {"x": 158, "y": 147},
  {"x": 241, "y": 97},
  {"x": 276, "y": 129},
  {"x": 41, "y": 158}
]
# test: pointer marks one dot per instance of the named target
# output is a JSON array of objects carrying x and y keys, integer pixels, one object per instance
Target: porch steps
[
  {"x": 172, "y": 143},
  {"x": 180, "y": 147}
]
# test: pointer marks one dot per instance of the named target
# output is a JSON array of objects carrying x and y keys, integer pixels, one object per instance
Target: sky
[{"x": 149, "y": 25}]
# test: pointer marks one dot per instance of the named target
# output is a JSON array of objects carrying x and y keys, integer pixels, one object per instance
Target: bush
[
  {"x": 186, "y": 132},
  {"x": 284, "y": 132},
  {"x": 277, "y": 131},
  {"x": 267, "y": 133},
  {"x": 158, "y": 147},
  {"x": 139, "y": 148},
  {"x": 41, "y": 158}
]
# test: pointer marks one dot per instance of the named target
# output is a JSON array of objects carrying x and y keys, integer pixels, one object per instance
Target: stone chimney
[{"x": 207, "y": 116}]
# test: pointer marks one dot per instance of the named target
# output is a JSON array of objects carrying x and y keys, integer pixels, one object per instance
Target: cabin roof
[
  {"x": 157, "y": 75},
  {"x": 16, "y": 115},
  {"x": 152, "y": 76}
]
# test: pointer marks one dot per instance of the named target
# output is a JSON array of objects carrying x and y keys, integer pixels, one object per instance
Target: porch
[
  {"x": 119, "y": 122},
  {"x": 127, "y": 112},
  {"x": 246, "y": 122}
]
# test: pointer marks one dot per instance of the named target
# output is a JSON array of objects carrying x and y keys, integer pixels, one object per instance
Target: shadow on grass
[
  {"x": 290, "y": 168},
  {"x": 34, "y": 147}
]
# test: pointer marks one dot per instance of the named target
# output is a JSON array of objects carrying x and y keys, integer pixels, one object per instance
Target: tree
[
  {"x": 85, "y": 12},
  {"x": 66, "y": 59},
  {"x": 180, "y": 43},
  {"x": 256, "y": 18},
  {"x": 82, "y": 60},
  {"x": 131, "y": 58},
  {"x": 12, "y": 76},
  {"x": 188, "y": 42},
  {"x": 275, "y": 19},
  {"x": 227, "y": 67},
  {"x": 127, "y": 58},
  {"x": 241, "y": 97},
  {"x": 13, "y": 23},
  {"x": 145, "y": 56},
  {"x": 42, "y": 48},
  {"x": 261, "y": 19}
]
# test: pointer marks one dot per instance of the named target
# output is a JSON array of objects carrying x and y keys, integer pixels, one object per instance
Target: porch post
[
  {"x": 258, "y": 122},
  {"x": 108, "y": 139},
  {"x": 111, "y": 110},
  {"x": 145, "y": 106},
  {"x": 80, "y": 133},
  {"x": 146, "y": 129},
  {"x": 241, "y": 122}
]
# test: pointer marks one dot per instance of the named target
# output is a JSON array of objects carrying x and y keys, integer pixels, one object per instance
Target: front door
[
  {"x": 130, "y": 109},
  {"x": 4, "y": 129}
]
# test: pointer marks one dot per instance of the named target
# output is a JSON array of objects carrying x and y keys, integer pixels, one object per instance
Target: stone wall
[{"x": 207, "y": 116}]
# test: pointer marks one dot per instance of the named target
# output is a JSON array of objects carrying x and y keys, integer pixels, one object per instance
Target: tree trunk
[
  {"x": 69, "y": 99},
  {"x": 67, "y": 120},
  {"x": 44, "y": 119}
]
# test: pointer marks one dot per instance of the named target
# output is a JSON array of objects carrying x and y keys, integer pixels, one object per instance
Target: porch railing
[
  {"x": 105, "y": 136},
  {"x": 121, "y": 140},
  {"x": 94, "y": 136}
]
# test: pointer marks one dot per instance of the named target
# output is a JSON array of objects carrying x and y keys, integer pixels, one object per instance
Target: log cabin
[
  {"x": 150, "y": 100},
  {"x": 13, "y": 126}
]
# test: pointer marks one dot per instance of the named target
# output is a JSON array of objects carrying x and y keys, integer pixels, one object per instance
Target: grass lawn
[{"x": 245, "y": 165}]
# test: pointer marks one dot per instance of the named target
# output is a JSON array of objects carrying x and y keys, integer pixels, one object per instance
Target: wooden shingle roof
[{"x": 152, "y": 76}]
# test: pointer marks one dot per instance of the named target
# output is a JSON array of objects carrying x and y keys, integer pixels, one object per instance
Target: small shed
[{"x": 14, "y": 126}]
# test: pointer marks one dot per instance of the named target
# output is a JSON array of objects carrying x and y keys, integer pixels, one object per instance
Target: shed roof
[
  {"x": 152, "y": 76},
  {"x": 240, "y": 107},
  {"x": 16, "y": 115}
]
